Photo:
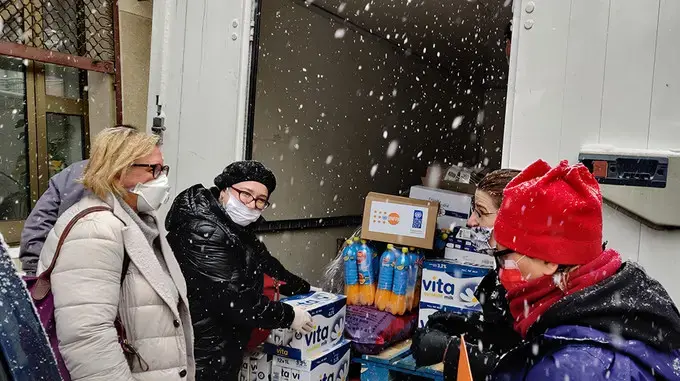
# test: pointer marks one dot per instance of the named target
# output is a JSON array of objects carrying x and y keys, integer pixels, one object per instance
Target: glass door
[
  {"x": 61, "y": 108},
  {"x": 17, "y": 145},
  {"x": 43, "y": 129}
]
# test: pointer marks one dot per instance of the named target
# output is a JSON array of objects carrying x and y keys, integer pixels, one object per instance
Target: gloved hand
[
  {"x": 302, "y": 321},
  {"x": 428, "y": 346}
]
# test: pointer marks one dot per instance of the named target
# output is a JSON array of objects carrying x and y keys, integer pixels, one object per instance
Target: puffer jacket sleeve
[
  {"x": 86, "y": 289},
  {"x": 37, "y": 226},
  {"x": 203, "y": 251},
  {"x": 272, "y": 267},
  {"x": 586, "y": 362},
  {"x": 62, "y": 192}
]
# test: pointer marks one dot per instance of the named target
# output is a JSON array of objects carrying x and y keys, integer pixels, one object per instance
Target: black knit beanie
[{"x": 248, "y": 170}]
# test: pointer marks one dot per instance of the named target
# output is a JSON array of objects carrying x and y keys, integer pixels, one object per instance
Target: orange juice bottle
[
  {"x": 366, "y": 281},
  {"x": 349, "y": 256},
  {"x": 383, "y": 294},
  {"x": 397, "y": 304}
]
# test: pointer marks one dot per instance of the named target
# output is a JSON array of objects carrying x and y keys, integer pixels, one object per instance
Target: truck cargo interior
[{"x": 359, "y": 96}]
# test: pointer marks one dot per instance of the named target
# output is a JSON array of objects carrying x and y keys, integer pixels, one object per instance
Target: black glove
[
  {"x": 428, "y": 346},
  {"x": 454, "y": 324},
  {"x": 482, "y": 363}
]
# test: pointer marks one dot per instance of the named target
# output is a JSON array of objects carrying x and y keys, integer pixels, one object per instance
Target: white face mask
[
  {"x": 240, "y": 213},
  {"x": 152, "y": 194}
]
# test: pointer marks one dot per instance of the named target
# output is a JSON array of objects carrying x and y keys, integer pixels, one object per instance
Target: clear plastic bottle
[
  {"x": 419, "y": 280},
  {"x": 412, "y": 278},
  {"x": 383, "y": 294},
  {"x": 349, "y": 256},
  {"x": 397, "y": 305},
  {"x": 376, "y": 264},
  {"x": 366, "y": 280}
]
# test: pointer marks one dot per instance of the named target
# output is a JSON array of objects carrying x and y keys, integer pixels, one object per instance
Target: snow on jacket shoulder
[
  {"x": 88, "y": 296},
  {"x": 625, "y": 327}
]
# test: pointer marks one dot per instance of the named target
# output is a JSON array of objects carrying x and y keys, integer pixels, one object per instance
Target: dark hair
[
  {"x": 494, "y": 183},
  {"x": 508, "y": 31}
]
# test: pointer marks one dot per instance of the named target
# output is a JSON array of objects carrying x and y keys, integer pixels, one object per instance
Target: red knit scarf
[{"x": 530, "y": 301}]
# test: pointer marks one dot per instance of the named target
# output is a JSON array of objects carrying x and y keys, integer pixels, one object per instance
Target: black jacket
[
  {"x": 627, "y": 323},
  {"x": 488, "y": 334},
  {"x": 224, "y": 266}
]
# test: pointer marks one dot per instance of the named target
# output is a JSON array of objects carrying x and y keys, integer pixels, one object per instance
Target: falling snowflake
[
  {"x": 392, "y": 149},
  {"x": 457, "y": 121}
]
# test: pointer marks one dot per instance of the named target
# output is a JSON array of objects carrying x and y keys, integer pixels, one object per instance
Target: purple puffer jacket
[
  {"x": 572, "y": 352},
  {"x": 64, "y": 190}
]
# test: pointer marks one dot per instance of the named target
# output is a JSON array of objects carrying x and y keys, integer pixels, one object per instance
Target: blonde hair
[{"x": 114, "y": 150}]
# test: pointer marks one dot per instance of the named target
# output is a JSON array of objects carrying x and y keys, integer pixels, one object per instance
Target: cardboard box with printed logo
[
  {"x": 328, "y": 314},
  {"x": 460, "y": 249},
  {"x": 256, "y": 366},
  {"x": 399, "y": 220},
  {"x": 449, "y": 286},
  {"x": 330, "y": 365},
  {"x": 454, "y": 207}
]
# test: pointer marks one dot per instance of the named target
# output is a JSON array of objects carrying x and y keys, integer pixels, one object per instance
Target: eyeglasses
[
  {"x": 480, "y": 214},
  {"x": 156, "y": 169},
  {"x": 499, "y": 254},
  {"x": 246, "y": 198}
]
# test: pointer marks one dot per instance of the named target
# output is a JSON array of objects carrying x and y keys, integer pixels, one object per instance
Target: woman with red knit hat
[{"x": 583, "y": 314}]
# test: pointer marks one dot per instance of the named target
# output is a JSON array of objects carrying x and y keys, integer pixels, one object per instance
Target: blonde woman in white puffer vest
[{"x": 115, "y": 264}]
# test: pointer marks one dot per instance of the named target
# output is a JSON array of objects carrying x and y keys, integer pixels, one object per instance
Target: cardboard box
[
  {"x": 425, "y": 310},
  {"x": 260, "y": 366},
  {"x": 244, "y": 373},
  {"x": 451, "y": 286},
  {"x": 328, "y": 313},
  {"x": 460, "y": 249},
  {"x": 399, "y": 220},
  {"x": 256, "y": 366},
  {"x": 330, "y": 365},
  {"x": 454, "y": 207}
]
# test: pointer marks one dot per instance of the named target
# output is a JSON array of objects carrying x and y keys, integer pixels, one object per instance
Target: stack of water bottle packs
[{"x": 390, "y": 280}]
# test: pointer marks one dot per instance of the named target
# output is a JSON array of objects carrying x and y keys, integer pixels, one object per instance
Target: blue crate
[{"x": 394, "y": 360}]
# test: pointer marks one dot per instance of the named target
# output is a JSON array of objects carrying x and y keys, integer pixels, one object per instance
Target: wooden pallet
[{"x": 396, "y": 360}]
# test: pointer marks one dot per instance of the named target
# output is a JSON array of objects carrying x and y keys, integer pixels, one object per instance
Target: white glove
[{"x": 302, "y": 321}]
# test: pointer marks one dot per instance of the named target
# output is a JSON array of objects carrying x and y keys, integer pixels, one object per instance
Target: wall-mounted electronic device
[{"x": 645, "y": 183}]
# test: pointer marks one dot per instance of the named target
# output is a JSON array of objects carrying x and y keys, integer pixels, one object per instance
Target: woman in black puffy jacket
[
  {"x": 223, "y": 261},
  {"x": 488, "y": 334}
]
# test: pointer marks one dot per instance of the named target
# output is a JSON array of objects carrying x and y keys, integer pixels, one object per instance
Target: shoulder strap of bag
[
  {"x": 126, "y": 266},
  {"x": 43, "y": 285}
]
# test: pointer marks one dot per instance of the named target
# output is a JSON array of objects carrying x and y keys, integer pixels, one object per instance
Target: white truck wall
[
  {"x": 349, "y": 99},
  {"x": 598, "y": 71},
  {"x": 199, "y": 67}
]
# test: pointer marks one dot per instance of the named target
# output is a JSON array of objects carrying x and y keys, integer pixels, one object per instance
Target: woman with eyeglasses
[
  {"x": 63, "y": 190},
  {"x": 211, "y": 233},
  {"x": 583, "y": 313},
  {"x": 120, "y": 298},
  {"x": 489, "y": 334}
]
